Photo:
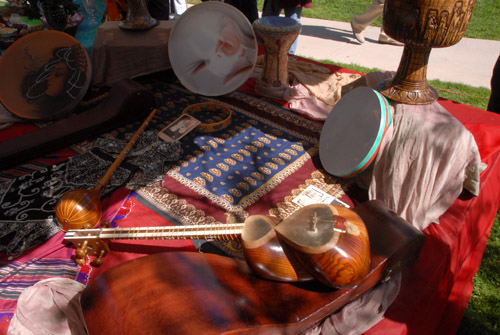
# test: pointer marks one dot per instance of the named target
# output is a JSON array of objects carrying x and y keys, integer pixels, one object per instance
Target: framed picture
[
  {"x": 313, "y": 195},
  {"x": 179, "y": 128}
]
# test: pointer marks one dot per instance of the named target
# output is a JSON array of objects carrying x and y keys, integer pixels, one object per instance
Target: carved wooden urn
[
  {"x": 421, "y": 25},
  {"x": 138, "y": 17}
]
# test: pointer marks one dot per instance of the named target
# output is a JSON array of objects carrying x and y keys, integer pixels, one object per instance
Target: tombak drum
[
  {"x": 421, "y": 25},
  {"x": 277, "y": 34}
]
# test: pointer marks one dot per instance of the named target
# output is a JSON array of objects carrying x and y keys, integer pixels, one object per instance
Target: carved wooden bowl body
[
  {"x": 421, "y": 25},
  {"x": 329, "y": 241},
  {"x": 78, "y": 209}
]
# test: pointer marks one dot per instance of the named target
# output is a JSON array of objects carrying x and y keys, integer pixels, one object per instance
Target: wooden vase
[
  {"x": 421, "y": 25},
  {"x": 276, "y": 34},
  {"x": 138, "y": 17}
]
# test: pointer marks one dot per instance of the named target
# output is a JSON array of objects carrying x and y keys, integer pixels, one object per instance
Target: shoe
[
  {"x": 358, "y": 34},
  {"x": 384, "y": 39}
]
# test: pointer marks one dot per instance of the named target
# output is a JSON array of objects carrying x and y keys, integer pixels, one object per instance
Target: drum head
[
  {"x": 353, "y": 131},
  {"x": 44, "y": 75},
  {"x": 212, "y": 48}
]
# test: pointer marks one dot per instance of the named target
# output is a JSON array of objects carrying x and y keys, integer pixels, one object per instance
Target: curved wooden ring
[{"x": 226, "y": 113}]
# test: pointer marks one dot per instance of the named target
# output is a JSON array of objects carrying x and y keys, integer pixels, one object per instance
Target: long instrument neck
[{"x": 230, "y": 231}]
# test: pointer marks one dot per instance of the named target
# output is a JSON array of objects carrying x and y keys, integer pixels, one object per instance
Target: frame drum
[
  {"x": 212, "y": 48},
  {"x": 353, "y": 132},
  {"x": 45, "y": 74}
]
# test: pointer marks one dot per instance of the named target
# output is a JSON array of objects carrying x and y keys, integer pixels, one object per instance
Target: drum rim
[
  {"x": 370, "y": 157},
  {"x": 193, "y": 10},
  {"x": 385, "y": 121}
]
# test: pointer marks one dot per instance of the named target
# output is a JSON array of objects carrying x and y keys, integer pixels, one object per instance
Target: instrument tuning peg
[
  {"x": 98, "y": 260},
  {"x": 83, "y": 250}
]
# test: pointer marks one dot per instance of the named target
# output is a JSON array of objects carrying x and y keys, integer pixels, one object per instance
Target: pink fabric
[
  {"x": 313, "y": 92},
  {"x": 51, "y": 306}
]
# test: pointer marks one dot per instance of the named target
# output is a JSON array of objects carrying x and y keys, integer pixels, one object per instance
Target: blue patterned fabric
[
  {"x": 85, "y": 33},
  {"x": 236, "y": 166}
]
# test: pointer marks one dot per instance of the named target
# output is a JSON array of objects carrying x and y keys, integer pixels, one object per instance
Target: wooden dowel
[{"x": 111, "y": 170}]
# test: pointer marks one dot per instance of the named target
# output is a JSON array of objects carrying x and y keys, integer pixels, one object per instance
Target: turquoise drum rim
[{"x": 371, "y": 153}]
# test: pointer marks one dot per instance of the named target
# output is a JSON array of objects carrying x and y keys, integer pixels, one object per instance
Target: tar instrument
[
  {"x": 191, "y": 293},
  {"x": 81, "y": 208},
  {"x": 328, "y": 243}
]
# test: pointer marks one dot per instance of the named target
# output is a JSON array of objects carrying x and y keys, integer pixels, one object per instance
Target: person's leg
[
  {"x": 271, "y": 8},
  {"x": 360, "y": 22},
  {"x": 294, "y": 13},
  {"x": 247, "y": 7},
  {"x": 178, "y": 6},
  {"x": 494, "y": 103}
]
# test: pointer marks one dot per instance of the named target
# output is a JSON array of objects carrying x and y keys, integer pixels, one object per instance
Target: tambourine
[
  {"x": 221, "y": 113},
  {"x": 352, "y": 133},
  {"x": 212, "y": 48},
  {"x": 45, "y": 74}
]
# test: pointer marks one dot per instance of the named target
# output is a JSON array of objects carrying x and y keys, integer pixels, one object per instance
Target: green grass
[
  {"x": 484, "y": 23},
  {"x": 482, "y": 316}
]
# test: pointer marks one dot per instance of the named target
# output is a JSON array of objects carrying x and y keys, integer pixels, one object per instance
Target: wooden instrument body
[
  {"x": 324, "y": 242},
  {"x": 334, "y": 248},
  {"x": 126, "y": 102},
  {"x": 191, "y": 293},
  {"x": 277, "y": 35},
  {"x": 265, "y": 255},
  {"x": 421, "y": 25}
]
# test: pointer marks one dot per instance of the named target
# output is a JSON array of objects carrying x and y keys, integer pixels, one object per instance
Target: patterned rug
[{"x": 203, "y": 178}]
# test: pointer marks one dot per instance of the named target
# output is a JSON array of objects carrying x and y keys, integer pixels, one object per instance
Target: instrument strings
[{"x": 229, "y": 231}]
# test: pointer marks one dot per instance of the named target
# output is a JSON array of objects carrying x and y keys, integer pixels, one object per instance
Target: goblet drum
[
  {"x": 138, "y": 16},
  {"x": 276, "y": 34},
  {"x": 421, "y": 25}
]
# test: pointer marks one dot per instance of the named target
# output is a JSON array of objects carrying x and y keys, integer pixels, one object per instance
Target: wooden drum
[
  {"x": 45, "y": 74},
  {"x": 421, "y": 25},
  {"x": 276, "y": 34}
]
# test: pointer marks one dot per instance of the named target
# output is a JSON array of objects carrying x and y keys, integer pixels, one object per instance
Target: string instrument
[
  {"x": 190, "y": 293},
  {"x": 325, "y": 242},
  {"x": 81, "y": 208}
]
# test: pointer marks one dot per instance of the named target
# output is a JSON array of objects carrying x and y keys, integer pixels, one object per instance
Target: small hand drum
[
  {"x": 45, "y": 74},
  {"x": 277, "y": 34},
  {"x": 212, "y": 48},
  {"x": 352, "y": 133}
]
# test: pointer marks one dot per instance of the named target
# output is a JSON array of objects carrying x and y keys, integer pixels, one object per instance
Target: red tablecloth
[{"x": 435, "y": 290}]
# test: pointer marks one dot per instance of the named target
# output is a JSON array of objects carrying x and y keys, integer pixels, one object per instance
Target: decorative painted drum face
[
  {"x": 45, "y": 74},
  {"x": 212, "y": 48},
  {"x": 353, "y": 132}
]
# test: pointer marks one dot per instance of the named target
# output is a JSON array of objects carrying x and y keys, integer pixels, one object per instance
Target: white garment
[
  {"x": 51, "y": 306},
  {"x": 178, "y": 6}
]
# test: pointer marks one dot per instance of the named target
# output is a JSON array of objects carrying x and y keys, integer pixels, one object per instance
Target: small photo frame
[
  {"x": 179, "y": 128},
  {"x": 313, "y": 195}
]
